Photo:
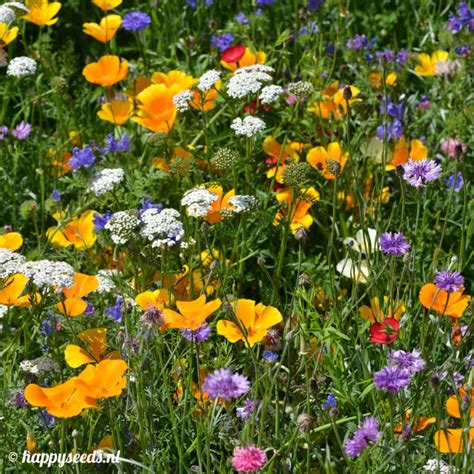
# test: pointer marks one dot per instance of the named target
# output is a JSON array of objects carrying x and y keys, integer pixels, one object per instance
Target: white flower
[
  {"x": 17, "y": 6},
  {"x": 162, "y": 228},
  {"x": 39, "y": 365},
  {"x": 181, "y": 100},
  {"x": 3, "y": 310},
  {"x": 254, "y": 68},
  {"x": 122, "y": 226},
  {"x": 270, "y": 94},
  {"x": 208, "y": 80},
  {"x": 106, "y": 282},
  {"x": 363, "y": 243},
  {"x": 249, "y": 126},
  {"x": 198, "y": 201},
  {"x": 21, "y": 66},
  {"x": 300, "y": 88},
  {"x": 433, "y": 465},
  {"x": 47, "y": 274},
  {"x": 243, "y": 202},
  {"x": 105, "y": 180},
  {"x": 7, "y": 15},
  {"x": 10, "y": 263},
  {"x": 248, "y": 80},
  {"x": 358, "y": 271}
]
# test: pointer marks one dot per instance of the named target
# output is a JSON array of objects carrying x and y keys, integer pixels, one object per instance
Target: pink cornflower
[
  {"x": 248, "y": 459},
  {"x": 451, "y": 146}
]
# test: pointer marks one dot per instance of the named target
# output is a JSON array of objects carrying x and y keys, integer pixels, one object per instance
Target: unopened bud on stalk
[
  {"x": 304, "y": 422},
  {"x": 347, "y": 94},
  {"x": 261, "y": 261},
  {"x": 304, "y": 280}
]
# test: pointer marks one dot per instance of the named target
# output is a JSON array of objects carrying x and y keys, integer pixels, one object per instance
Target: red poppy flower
[
  {"x": 255, "y": 105},
  {"x": 384, "y": 333},
  {"x": 233, "y": 54}
]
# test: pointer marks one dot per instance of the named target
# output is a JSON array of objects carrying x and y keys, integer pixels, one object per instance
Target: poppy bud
[
  {"x": 333, "y": 412},
  {"x": 214, "y": 265},
  {"x": 304, "y": 280},
  {"x": 347, "y": 94},
  {"x": 301, "y": 235},
  {"x": 304, "y": 422},
  {"x": 261, "y": 261}
]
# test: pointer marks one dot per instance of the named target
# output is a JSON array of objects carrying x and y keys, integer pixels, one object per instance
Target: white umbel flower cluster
[
  {"x": 40, "y": 365},
  {"x": 46, "y": 274},
  {"x": 10, "y": 263},
  {"x": 162, "y": 228},
  {"x": 243, "y": 203},
  {"x": 105, "y": 180},
  {"x": 21, "y": 66},
  {"x": 208, "y": 80},
  {"x": 198, "y": 201},
  {"x": 7, "y": 15},
  {"x": 106, "y": 282},
  {"x": 122, "y": 226},
  {"x": 433, "y": 465},
  {"x": 17, "y": 6},
  {"x": 270, "y": 94},
  {"x": 249, "y": 126},
  {"x": 182, "y": 100},
  {"x": 248, "y": 80}
]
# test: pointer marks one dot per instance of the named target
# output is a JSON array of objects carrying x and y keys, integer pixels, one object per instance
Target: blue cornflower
[
  {"x": 135, "y": 21},
  {"x": 56, "y": 195},
  {"x": 269, "y": 356},
  {"x": 116, "y": 312},
  {"x": 118, "y": 146},
  {"x": 455, "y": 182},
  {"x": 81, "y": 158},
  {"x": 101, "y": 219},
  {"x": 331, "y": 402},
  {"x": 222, "y": 42},
  {"x": 241, "y": 19}
]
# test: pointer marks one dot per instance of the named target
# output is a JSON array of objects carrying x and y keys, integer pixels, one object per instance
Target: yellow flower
[
  {"x": 105, "y": 30},
  {"x": 117, "y": 111},
  {"x": 14, "y": 287},
  {"x": 107, "y": 71},
  {"x": 154, "y": 299},
  {"x": 11, "y": 241},
  {"x": 254, "y": 321},
  {"x": 333, "y": 102},
  {"x": 192, "y": 314},
  {"x": 429, "y": 64},
  {"x": 376, "y": 314},
  {"x": 171, "y": 78},
  {"x": 205, "y": 101},
  {"x": 278, "y": 153},
  {"x": 7, "y": 35},
  {"x": 220, "y": 204},
  {"x": 248, "y": 59},
  {"x": 319, "y": 158},
  {"x": 375, "y": 79},
  {"x": 79, "y": 231},
  {"x": 106, "y": 5},
  {"x": 42, "y": 12}
]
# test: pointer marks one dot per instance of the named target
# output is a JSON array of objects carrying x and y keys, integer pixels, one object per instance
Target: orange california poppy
[
  {"x": 458, "y": 410},
  {"x": 320, "y": 159},
  {"x": 297, "y": 208},
  {"x": 277, "y": 157},
  {"x": 178, "y": 152},
  {"x": 61, "y": 401},
  {"x": 429, "y": 64},
  {"x": 375, "y": 79},
  {"x": 138, "y": 84},
  {"x": 116, "y": 111},
  {"x": 248, "y": 59},
  {"x": 254, "y": 322},
  {"x": 174, "y": 78},
  {"x": 11, "y": 241},
  {"x": 41, "y": 12},
  {"x": 156, "y": 110},
  {"x": 105, "y": 30},
  {"x": 73, "y": 304},
  {"x": 106, "y": 5},
  {"x": 103, "y": 380},
  {"x": 192, "y": 314},
  {"x": 451, "y": 304},
  {"x": 96, "y": 345},
  {"x": 154, "y": 299},
  {"x": 79, "y": 231},
  {"x": 375, "y": 313},
  {"x": 220, "y": 205},
  {"x": 10, "y": 294},
  {"x": 451, "y": 440},
  {"x": 420, "y": 424},
  {"x": 7, "y": 35},
  {"x": 107, "y": 71},
  {"x": 333, "y": 102},
  {"x": 416, "y": 151},
  {"x": 205, "y": 101}
]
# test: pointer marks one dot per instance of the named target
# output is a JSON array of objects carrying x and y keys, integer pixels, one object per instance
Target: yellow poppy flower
[
  {"x": 192, "y": 314},
  {"x": 254, "y": 321},
  {"x": 416, "y": 151},
  {"x": 73, "y": 304},
  {"x": 174, "y": 78},
  {"x": 450, "y": 304},
  {"x": 14, "y": 287},
  {"x": 107, "y": 71},
  {"x": 429, "y": 64},
  {"x": 320, "y": 159},
  {"x": 116, "y": 111},
  {"x": 218, "y": 207},
  {"x": 207, "y": 100},
  {"x": 7, "y": 35},
  {"x": 154, "y": 299},
  {"x": 79, "y": 231},
  {"x": 41, "y": 12},
  {"x": 451, "y": 440},
  {"x": 106, "y": 5},
  {"x": 275, "y": 153},
  {"x": 105, "y": 30},
  {"x": 11, "y": 241},
  {"x": 333, "y": 102}
]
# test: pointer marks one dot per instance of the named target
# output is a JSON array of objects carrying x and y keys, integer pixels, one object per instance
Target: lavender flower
[
  {"x": 118, "y": 146},
  {"x": 357, "y": 43},
  {"x": 394, "y": 243},
  {"x": 246, "y": 411},
  {"x": 22, "y": 131},
  {"x": 269, "y": 356},
  {"x": 410, "y": 361},
  {"x": 203, "y": 333},
  {"x": 56, "y": 195},
  {"x": 222, "y": 42},
  {"x": 241, "y": 19},
  {"x": 100, "y": 220},
  {"x": 225, "y": 384},
  {"x": 455, "y": 183},
  {"x": 364, "y": 436},
  {"x": 424, "y": 103},
  {"x": 449, "y": 281},
  {"x": 402, "y": 57},
  {"x": 81, "y": 158},
  {"x": 116, "y": 312},
  {"x": 135, "y": 21},
  {"x": 392, "y": 379},
  {"x": 3, "y": 132},
  {"x": 418, "y": 173}
]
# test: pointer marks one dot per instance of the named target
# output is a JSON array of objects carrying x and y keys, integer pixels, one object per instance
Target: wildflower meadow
[{"x": 236, "y": 236}]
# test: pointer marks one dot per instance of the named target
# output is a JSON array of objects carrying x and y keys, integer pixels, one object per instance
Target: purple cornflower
[
  {"x": 3, "y": 132},
  {"x": 135, "y": 21},
  {"x": 394, "y": 243},
  {"x": 357, "y": 43},
  {"x": 146, "y": 204},
  {"x": 455, "y": 182},
  {"x": 56, "y": 195},
  {"x": 246, "y": 411},
  {"x": 454, "y": 24},
  {"x": 22, "y": 130},
  {"x": 402, "y": 57},
  {"x": 418, "y": 173},
  {"x": 118, "y": 146},
  {"x": 449, "y": 281},
  {"x": 331, "y": 402},
  {"x": 81, "y": 158},
  {"x": 222, "y": 42},
  {"x": 392, "y": 379},
  {"x": 410, "y": 361},
  {"x": 314, "y": 5},
  {"x": 364, "y": 436},
  {"x": 424, "y": 103},
  {"x": 225, "y": 384},
  {"x": 203, "y": 333},
  {"x": 385, "y": 56},
  {"x": 116, "y": 312},
  {"x": 269, "y": 356},
  {"x": 464, "y": 51},
  {"x": 241, "y": 19},
  {"x": 101, "y": 219}
]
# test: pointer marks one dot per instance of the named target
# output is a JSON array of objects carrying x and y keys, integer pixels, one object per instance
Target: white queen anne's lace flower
[
  {"x": 208, "y": 80},
  {"x": 270, "y": 94},
  {"x": 122, "y": 226},
  {"x": 182, "y": 100},
  {"x": 10, "y": 263},
  {"x": 105, "y": 180},
  {"x": 198, "y": 201},
  {"x": 162, "y": 228},
  {"x": 40, "y": 365},
  {"x": 7, "y": 15},
  {"x": 243, "y": 203},
  {"x": 248, "y": 80},
  {"x": 106, "y": 282},
  {"x": 433, "y": 465},
  {"x": 21, "y": 66},
  {"x": 50, "y": 274},
  {"x": 249, "y": 126}
]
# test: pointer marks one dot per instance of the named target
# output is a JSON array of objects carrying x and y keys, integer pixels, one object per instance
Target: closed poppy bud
[
  {"x": 233, "y": 54},
  {"x": 304, "y": 280},
  {"x": 347, "y": 94},
  {"x": 304, "y": 422}
]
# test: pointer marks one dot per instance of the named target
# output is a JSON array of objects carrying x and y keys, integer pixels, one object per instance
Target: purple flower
[
  {"x": 464, "y": 51},
  {"x": 455, "y": 182},
  {"x": 364, "y": 436},
  {"x": 269, "y": 356},
  {"x": 203, "y": 333},
  {"x": 116, "y": 312},
  {"x": 89, "y": 311},
  {"x": 17, "y": 400},
  {"x": 454, "y": 24},
  {"x": 46, "y": 418},
  {"x": 81, "y": 158},
  {"x": 331, "y": 402},
  {"x": 394, "y": 130},
  {"x": 222, "y": 42},
  {"x": 314, "y": 5},
  {"x": 241, "y": 19},
  {"x": 246, "y": 411},
  {"x": 411, "y": 361},
  {"x": 424, "y": 103},
  {"x": 3, "y": 132},
  {"x": 418, "y": 173},
  {"x": 394, "y": 243},
  {"x": 135, "y": 21},
  {"x": 225, "y": 384},
  {"x": 385, "y": 56},
  {"x": 147, "y": 204},
  {"x": 262, "y": 3},
  {"x": 101, "y": 219},
  {"x": 402, "y": 57},
  {"x": 449, "y": 281},
  {"x": 118, "y": 146},
  {"x": 56, "y": 195},
  {"x": 22, "y": 131},
  {"x": 153, "y": 317},
  {"x": 394, "y": 110},
  {"x": 458, "y": 379},
  {"x": 357, "y": 43},
  {"x": 392, "y": 379}
]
